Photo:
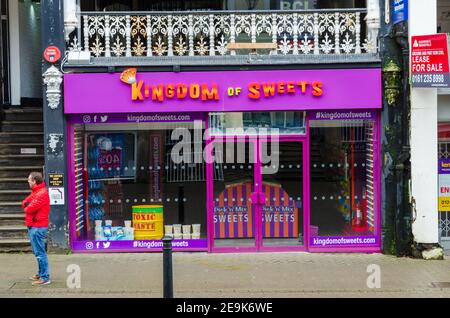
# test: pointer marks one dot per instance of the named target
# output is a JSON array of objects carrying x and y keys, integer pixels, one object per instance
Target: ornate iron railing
[{"x": 208, "y": 33}]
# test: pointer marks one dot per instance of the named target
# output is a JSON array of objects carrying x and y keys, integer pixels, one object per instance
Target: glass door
[
  {"x": 283, "y": 188},
  {"x": 235, "y": 219}
]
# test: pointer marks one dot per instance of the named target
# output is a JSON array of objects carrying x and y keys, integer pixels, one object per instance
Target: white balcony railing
[{"x": 208, "y": 33}]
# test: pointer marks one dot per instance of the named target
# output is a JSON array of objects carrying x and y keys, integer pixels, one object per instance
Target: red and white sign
[
  {"x": 52, "y": 54},
  {"x": 110, "y": 160},
  {"x": 56, "y": 196},
  {"x": 430, "y": 54},
  {"x": 430, "y": 60}
]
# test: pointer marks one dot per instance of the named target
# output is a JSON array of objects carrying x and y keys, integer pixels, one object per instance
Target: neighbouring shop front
[
  {"x": 430, "y": 71},
  {"x": 444, "y": 168},
  {"x": 263, "y": 160}
]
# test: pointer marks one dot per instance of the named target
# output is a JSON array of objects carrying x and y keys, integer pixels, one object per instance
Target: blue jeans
[{"x": 37, "y": 237}]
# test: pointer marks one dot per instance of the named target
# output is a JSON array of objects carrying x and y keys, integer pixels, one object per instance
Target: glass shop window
[
  {"x": 251, "y": 123},
  {"x": 128, "y": 186},
  {"x": 343, "y": 192}
]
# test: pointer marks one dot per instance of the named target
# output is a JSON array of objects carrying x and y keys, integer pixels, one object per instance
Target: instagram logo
[
  {"x": 86, "y": 119},
  {"x": 89, "y": 245}
]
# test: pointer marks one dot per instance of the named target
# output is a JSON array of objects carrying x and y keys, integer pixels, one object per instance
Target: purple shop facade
[{"x": 329, "y": 95}]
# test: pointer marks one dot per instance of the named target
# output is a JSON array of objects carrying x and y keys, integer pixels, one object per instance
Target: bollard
[{"x": 167, "y": 267}]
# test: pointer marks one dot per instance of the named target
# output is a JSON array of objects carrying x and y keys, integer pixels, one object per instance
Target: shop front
[
  {"x": 444, "y": 168},
  {"x": 231, "y": 161}
]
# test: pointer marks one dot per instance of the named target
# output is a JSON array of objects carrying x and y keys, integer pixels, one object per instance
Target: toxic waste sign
[{"x": 429, "y": 61}]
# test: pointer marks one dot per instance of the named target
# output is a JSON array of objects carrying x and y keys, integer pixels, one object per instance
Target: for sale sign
[{"x": 429, "y": 61}]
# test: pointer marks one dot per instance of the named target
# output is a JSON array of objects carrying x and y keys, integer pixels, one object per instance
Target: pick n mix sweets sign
[
  {"x": 167, "y": 92},
  {"x": 234, "y": 214}
]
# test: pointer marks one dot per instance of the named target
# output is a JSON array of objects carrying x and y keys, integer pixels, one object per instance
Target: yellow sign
[
  {"x": 444, "y": 204},
  {"x": 444, "y": 192}
]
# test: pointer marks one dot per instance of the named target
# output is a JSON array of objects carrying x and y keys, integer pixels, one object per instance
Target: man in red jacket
[{"x": 37, "y": 210}]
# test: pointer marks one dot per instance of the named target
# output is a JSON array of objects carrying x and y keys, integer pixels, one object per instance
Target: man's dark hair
[{"x": 37, "y": 176}]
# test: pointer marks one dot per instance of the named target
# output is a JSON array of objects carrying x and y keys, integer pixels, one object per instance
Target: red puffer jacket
[{"x": 37, "y": 206}]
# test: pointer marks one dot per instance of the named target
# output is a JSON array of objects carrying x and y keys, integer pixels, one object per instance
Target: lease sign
[{"x": 429, "y": 61}]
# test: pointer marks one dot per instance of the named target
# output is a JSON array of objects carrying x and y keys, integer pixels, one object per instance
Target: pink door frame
[{"x": 303, "y": 140}]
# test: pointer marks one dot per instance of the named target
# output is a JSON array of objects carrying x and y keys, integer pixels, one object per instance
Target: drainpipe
[
  {"x": 403, "y": 164},
  {"x": 392, "y": 87},
  {"x": 401, "y": 37}
]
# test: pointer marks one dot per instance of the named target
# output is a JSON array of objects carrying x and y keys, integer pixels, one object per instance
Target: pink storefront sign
[{"x": 168, "y": 92}]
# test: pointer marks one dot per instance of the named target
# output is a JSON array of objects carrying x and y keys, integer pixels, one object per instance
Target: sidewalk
[{"x": 229, "y": 275}]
